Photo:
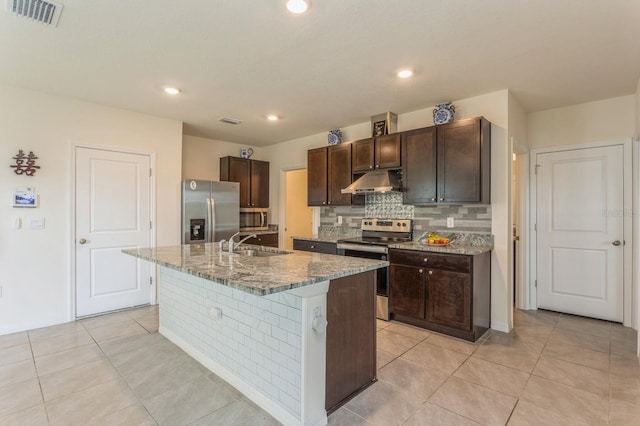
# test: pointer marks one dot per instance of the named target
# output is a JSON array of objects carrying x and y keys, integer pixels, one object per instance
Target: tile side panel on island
[{"x": 257, "y": 338}]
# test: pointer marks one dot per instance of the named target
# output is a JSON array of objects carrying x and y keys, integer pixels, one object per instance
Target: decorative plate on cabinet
[
  {"x": 335, "y": 137},
  {"x": 443, "y": 113}
]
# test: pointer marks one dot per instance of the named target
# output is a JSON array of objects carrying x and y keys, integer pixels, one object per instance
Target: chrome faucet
[{"x": 233, "y": 246}]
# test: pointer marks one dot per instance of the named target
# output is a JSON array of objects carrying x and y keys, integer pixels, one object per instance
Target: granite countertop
[
  {"x": 245, "y": 233},
  {"x": 451, "y": 248},
  {"x": 257, "y": 275},
  {"x": 321, "y": 238}
]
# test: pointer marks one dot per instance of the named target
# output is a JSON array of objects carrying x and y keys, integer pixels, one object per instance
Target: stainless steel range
[{"x": 377, "y": 235}]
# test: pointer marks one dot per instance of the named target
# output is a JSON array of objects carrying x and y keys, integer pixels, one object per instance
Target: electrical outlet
[
  {"x": 450, "y": 222},
  {"x": 339, "y": 220}
]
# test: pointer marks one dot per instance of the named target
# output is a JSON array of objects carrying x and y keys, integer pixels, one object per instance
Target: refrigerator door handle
[{"x": 211, "y": 202}]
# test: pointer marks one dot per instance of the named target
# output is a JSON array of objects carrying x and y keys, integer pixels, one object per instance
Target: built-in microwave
[{"x": 253, "y": 219}]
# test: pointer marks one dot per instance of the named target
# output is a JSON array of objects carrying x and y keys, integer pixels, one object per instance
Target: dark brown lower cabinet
[
  {"x": 408, "y": 292},
  {"x": 351, "y": 338},
  {"x": 449, "y": 299},
  {"x": 269, "y": 240},
  {"x": 447, "y": 293},
  {"x": 315, "y": 246}
]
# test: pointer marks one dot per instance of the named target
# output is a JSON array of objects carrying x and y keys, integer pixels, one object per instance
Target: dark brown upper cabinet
[
  {"x": 464, "y": 161},
  {"x": 419, "y": 166},
  {"x": 328, "y": 172},
  {"x": 382, "y": 152},
  {"x": 449, "y": 164},
  {"x": 253, "y": 176},
  {"x": 317, "y": 175}
]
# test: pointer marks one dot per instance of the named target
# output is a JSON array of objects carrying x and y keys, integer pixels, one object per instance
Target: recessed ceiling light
[
  {"x": 272, "y": 117},
  {"x": 171, "y": 90},
  {"x": 298, "y": 6},
  {"x": 405, "y": 73}
]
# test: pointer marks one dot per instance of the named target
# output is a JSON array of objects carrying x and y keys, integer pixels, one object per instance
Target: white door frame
[
  {"x": 522, "y": 226},
  {"x": 529, "y": 290},
  {"x": 72, "y": 217}
]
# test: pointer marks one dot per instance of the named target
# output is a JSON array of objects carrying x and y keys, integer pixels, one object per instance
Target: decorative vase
[
  {"x": 443, "y": 113},
  {"x": 335, "y": 137}
]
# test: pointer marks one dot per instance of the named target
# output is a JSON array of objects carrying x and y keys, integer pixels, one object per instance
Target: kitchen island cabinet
[
  {"x": 258, "y": 322},
  {"x": 447, "y": 293}
]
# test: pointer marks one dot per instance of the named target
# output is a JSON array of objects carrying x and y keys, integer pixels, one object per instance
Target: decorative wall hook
[{"x": 25, "y": 163}]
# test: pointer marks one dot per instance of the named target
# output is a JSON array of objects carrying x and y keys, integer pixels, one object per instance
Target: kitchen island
[{"x": 258, "y": 320}]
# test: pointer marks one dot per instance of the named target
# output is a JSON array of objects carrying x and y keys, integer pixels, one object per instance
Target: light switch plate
[
  {"x": 36, "y": 223},
  {"x": 450, "y": 222}
]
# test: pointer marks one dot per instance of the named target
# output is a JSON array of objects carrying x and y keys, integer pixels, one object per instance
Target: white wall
[
  {"x": 201, "y": 156},
  {"x": 35, "y": 272},
  {"x": 604, "y": 120},
  {"x": 636, "y": 205}
]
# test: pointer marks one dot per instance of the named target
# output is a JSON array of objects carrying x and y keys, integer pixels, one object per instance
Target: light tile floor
[{"x": 116, "y": 369}]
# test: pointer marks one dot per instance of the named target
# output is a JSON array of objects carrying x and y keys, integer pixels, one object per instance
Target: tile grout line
[{"x": 35, "y": 366}]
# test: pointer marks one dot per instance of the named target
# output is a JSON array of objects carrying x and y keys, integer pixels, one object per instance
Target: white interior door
[
  {"x": 112, "y": 213},
  {"x": 580, "y": 232}
]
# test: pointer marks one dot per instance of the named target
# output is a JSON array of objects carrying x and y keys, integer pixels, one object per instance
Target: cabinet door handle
[
  {"x": 371, "y": 166},
  {"x": 313, "y": 246},
  {"x": 420, "y": 270},
  {"x": 329, "y": 202},
  {"x": 433, "y": 199},
  {"x": 430, "y": 272},
  {"x": 426, "y": 259},
  {"x": 324, "y": 202},
  {"x": 377, "y": 166},
  {"x": 441, "y": 199}
]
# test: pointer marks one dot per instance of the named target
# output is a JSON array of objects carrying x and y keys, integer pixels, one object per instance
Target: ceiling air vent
[
  {"x": 45, "y": 12},
  {"x": 227, "y": 120}
]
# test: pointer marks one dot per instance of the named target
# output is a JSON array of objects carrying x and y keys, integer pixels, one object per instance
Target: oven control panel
[{"x": 386, "y": 225}]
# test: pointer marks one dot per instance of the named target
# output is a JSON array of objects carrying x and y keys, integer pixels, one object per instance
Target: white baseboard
[
  {"x": 500, "y": 326},
  {"x": 249, "y": 391}
]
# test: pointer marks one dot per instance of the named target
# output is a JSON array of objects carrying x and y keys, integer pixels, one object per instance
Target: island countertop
[{"x": 256, "y": 275}]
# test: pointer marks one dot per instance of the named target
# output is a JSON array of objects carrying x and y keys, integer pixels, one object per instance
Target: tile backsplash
[{"x": 467, "y": 218}]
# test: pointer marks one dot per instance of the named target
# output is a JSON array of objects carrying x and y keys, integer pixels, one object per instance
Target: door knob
[
  {"x": 82, "y": 241},
  {"x": 616, "y": 243}
]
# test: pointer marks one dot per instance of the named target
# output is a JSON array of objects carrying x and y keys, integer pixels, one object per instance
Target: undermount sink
[{"x": 259, "y": 253}]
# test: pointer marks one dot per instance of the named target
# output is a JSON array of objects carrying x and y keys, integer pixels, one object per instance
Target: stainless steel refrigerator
[{"x": 210, "y": 211}]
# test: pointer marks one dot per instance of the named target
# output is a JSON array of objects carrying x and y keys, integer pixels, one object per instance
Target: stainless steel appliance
[
  {"x": 210, "y": 211},
  {"x": 253, "y": 219},
  {"x": 377, "y": 234}
]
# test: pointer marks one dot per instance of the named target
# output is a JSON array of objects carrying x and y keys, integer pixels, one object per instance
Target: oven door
[{"x": 382, "y": 274}]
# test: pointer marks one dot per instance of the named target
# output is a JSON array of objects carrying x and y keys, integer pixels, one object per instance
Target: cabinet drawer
[
  {"x": 315, "y": 246},
  {"x": 447, "y": 262},
  {"x": 270, "y": 240}
]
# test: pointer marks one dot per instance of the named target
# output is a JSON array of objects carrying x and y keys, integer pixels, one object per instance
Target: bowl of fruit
[{"x": 434, "y": 239}]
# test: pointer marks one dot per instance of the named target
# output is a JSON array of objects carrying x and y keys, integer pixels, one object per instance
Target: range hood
[{"x": 378, "y": 181}]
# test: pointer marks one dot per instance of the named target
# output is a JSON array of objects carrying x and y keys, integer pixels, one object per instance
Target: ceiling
[{"x": 331, "y": 67}]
